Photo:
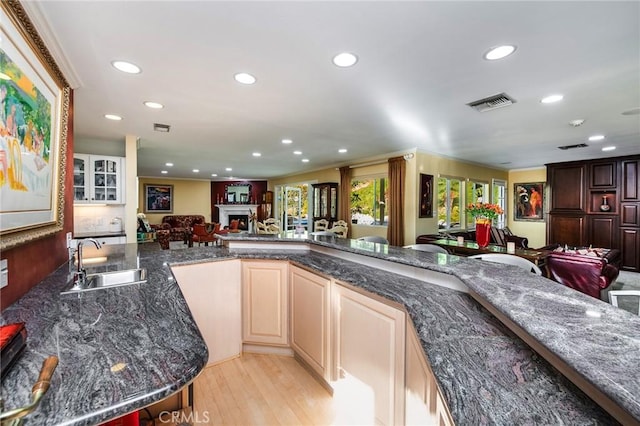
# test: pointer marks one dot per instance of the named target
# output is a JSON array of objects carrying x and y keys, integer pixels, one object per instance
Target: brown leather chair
[{"x": 587, "y": 273}]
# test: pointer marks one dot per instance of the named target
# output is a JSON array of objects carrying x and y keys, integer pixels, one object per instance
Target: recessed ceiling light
[
  {"x": 576, "y": 123},
  {"x": 168, "y": 164},
  {"x": 342, "y": 150},
  {"x": 305, "y": 160},
  {"x": 154, "y": 105},
  {"x": 196, "y": 171},
  {"x": 499, "y": 52},
  {"x": 256, "y": 154},
  {"x": 297, "y": 152},
  {"x": 228, "y": 169},
  {"x": 551, "y": 99},
  {"x": 164, "y": 172},
  {"x": 214, "y": 174},
  {"x": 344, "y": 60},
  {"x": 596, "y": 138},
  {"x": 287, "y": 141},
  {"x": 127, "y": 67},
  {"x": 608, "y": 148},
  {"x": 112, "y": 117},
  {"x": 244, "y": 78}
]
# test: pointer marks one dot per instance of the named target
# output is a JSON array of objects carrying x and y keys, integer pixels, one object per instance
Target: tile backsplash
[{"x": 95, "y": 218}]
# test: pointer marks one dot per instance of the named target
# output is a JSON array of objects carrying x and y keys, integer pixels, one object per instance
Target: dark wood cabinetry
[
  {"x": 630, "y": 180},
  {"x": 596, "y": 203},
  {"x": 325, "y": 202},
  {"x": 570, "y": 195},
  {"x": 603, "y": 175}
]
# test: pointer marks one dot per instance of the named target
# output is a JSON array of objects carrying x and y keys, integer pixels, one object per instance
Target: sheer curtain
[
  {"x": 344, "y": 212},
  {"x": 395, "y": 227}
]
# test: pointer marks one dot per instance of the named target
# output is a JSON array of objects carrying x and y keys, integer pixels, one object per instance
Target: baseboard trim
[{"x": 272, "y": 350}]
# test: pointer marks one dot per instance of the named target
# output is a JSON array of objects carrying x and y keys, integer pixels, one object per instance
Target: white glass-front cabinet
[{"x": 98, "y": 179}]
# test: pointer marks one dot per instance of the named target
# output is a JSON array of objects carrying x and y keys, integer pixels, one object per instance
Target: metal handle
[
  {"x": 44, "y": 379},
  {"x": 37, "y": 392}
]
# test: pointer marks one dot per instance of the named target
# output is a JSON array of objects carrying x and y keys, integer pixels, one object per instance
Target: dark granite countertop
[
  {"x": 119, "y": 349},
  {"x": 488, "y": 375}
]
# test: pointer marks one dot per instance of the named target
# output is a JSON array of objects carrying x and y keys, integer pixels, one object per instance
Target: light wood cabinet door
[
  {"x": 309, "y": 298},
  {"x": 265, "y": 315},
  {"x": 212, "y": 291},
  {"x": 369, "y": 356},
  {"x": 424, "y": 405}
]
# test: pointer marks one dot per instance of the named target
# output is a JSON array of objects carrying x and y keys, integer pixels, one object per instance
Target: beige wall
[
  {"x": 534, "y": 231},
  {"x": 189, "y": 197},
  {"x": 439, "y": 166},
  {"x": 318, "y": 176},
  {"x": 421, "y": 163}
]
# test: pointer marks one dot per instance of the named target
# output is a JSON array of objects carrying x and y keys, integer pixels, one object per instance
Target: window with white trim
[
  {"x": 499, "y": 197},
  {"x": 369, "y": 200},
  {"x": 476, "y": 192},
  {"x": 449, "y": 202}
]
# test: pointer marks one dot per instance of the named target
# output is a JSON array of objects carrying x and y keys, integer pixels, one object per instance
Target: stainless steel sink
[{"x": 111, "y": 279}]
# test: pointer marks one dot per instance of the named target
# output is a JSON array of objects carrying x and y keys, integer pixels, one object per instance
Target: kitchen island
[{"x": 123, "y": 348}]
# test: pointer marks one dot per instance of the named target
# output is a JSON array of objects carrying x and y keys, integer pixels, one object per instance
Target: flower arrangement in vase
[{"x": 483, "y": 213}]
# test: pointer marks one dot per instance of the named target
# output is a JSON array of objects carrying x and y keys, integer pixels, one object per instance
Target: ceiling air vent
[
  {"x": 161, "y": 127},
  {"x": 492, "y": 102},
  {"x": 580, "y": 145}
]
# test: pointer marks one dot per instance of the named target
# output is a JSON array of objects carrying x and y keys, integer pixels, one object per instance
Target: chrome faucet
[{"x": 80, "y": 279}]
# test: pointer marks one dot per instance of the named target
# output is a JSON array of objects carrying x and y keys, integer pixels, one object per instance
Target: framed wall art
[
  {"x": 529, "y": 200},
  {"x": 158, "y": 198},
  {"x": 34, "y": 108},
  {"x": 426, "y": 195}
]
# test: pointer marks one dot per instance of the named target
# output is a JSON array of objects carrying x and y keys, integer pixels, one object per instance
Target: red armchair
[
  {"x": 201, "y": 235},
  {"x": 588, "y": 272}
]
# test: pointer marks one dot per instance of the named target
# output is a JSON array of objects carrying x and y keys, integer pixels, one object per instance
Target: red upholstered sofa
[
  {"x": 180, "y": 228},
  {"x": 588, "y": 271}
]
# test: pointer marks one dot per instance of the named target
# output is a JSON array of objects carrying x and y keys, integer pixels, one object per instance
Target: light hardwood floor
[{"x": 258, "y": 389}]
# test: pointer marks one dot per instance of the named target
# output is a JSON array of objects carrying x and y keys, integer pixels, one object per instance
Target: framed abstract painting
[
  {"x": 34, "y": 108},
  {"x": 158, "y": 198}
]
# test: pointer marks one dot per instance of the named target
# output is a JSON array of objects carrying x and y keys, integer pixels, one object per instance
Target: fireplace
[
  {"x": 226, "y": 211},
  {"x": 243, "y": 221}
]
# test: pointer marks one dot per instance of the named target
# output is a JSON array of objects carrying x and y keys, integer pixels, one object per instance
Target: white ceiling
[{"x": 419, "y": 64}]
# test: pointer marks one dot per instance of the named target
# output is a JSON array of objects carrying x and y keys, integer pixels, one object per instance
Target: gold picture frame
[
  {"x": 34, "y": 113},
  {"x": 158, "y": 198}
]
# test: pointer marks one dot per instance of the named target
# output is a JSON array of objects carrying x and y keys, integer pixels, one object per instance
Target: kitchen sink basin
[{"x": 111, "y": 279}]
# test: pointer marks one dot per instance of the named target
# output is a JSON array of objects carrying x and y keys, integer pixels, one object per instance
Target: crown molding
[{"x": 47, "y": 35}]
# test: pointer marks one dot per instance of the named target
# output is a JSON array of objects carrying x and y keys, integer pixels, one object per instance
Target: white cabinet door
[
  {"x": 212, "y": 291},
  {"x": 265, "y": 315},
  {"x": 107, "y": 177},
  {"x": 309, "y": 297},
  {"x": 369, "y": 355},
  {"x": 81, "y": 181},
  {"x": 98, "y": 179}
]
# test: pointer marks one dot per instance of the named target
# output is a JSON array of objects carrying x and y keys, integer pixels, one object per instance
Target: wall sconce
[{"x": 408, "y": 156}]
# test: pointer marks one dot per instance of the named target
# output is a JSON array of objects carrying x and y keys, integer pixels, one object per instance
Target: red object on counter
[{"x": 131, "y": 419}]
